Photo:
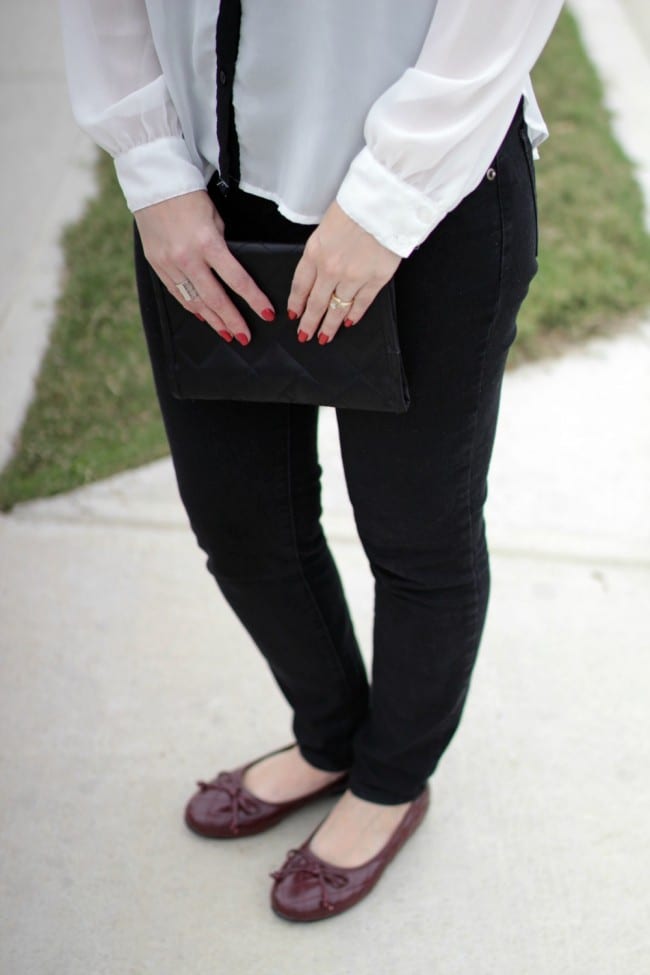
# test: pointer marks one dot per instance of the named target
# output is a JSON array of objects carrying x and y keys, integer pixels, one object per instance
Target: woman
[{"x": 395, "y": 140}]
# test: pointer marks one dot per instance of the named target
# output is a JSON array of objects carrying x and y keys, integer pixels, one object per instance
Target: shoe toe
[
  {"x": 209, "y": 813},
  {"x": 307, "y": 888},
  {"x": 298, "y": 898}
]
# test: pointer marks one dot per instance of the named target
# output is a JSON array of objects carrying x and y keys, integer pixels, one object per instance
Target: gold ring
[
  {"x": 336, "y": 302},
  {"x": 187, "y": 290}
]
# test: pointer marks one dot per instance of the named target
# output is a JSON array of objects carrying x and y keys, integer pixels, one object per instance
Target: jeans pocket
[{"x": 530, "y": 166}]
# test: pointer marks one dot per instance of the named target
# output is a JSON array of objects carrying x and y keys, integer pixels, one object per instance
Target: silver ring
[
  {"x": 187, "y": 290},
  {"x": 336, "y": 302}
]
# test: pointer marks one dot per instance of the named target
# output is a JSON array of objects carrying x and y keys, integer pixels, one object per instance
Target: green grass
[
  {"x": 594, "y": 250},
  {"x": 95, "y": 413}
]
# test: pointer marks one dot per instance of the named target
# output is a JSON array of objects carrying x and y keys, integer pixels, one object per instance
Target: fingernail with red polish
[
  {"x": 200, "y": 317},
  {"x": 242, "y": 338},
  {"x": 292, "y": 315},
  {"x": 226, "y": 336},
  {"x": 348, "y": 322},
  {"x": 323, "y": 339},
  {"x": 268, "y": 314},
  {"x": 302, "y": 336}
]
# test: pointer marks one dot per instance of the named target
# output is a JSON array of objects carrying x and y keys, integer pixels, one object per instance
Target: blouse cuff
[
  {"x": 156, "y": 171},
  {"x": 399, "y": 216}
]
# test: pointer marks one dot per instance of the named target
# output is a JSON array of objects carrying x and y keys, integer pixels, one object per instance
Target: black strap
[{"x": 227, "y": 47}]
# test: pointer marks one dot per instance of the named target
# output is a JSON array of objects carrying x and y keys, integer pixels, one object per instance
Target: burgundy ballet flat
[
  {"x": 224, "y": 809},
  {"x": 307, "y": 888}
]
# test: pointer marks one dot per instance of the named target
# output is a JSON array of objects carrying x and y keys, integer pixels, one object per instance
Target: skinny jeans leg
[
  {"x": 249, "y": 478},
  {"x": 418, "y": 482}
]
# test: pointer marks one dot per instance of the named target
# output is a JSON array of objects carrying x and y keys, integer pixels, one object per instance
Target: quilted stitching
[{"x": 361, "y": 369}]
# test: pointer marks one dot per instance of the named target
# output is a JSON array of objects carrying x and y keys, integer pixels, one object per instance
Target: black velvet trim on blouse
[{"x": 227, "y": 47}]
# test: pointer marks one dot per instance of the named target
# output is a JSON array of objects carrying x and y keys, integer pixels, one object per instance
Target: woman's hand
[
  {"x": 183, "y": 241},
  {"x": 340, "y": 257}
]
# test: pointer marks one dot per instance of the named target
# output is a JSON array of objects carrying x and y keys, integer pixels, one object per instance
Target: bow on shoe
[
  {"x": 300, "y": 861},
  {"x": 240, "y": 799}
]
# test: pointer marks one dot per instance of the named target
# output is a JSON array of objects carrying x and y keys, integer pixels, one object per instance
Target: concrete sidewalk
[
  {"x": 125, "y": 677},
  {"x": 46, "y": 179}
]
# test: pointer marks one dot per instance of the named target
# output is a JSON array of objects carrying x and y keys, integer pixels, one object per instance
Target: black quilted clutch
[{"x": 361, "y": 368}]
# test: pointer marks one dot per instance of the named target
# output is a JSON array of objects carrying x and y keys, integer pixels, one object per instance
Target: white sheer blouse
[{"x": 395, "y": 109}]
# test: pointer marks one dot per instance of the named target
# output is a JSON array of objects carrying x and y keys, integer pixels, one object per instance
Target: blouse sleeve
[
  {"x": 432, "y": 135},
  {"x": 119, "y": 97}
]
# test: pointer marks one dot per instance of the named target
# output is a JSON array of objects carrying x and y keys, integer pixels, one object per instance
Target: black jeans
[{"x": 249, "y": 477}]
